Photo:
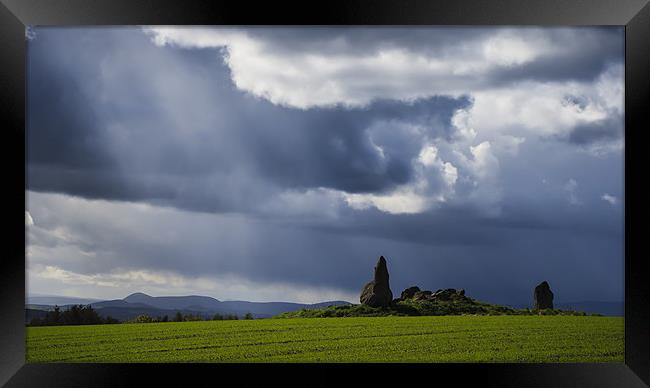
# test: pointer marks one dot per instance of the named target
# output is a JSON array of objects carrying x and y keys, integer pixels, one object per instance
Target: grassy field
[{"x": 377, "y": 339}]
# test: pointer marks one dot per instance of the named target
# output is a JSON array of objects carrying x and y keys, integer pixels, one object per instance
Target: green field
[{"x": 377, "y": 339}]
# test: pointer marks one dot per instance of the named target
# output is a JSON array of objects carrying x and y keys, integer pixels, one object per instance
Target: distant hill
[
  {"x": 159, "y": 306},
  {"x": 117, "y": 303},
  {"x": 176, "y": 302},
  {"x": 42, "y": 307},
  {"x": 211, "y": 305},
  {"x": 58, "y": 300}
]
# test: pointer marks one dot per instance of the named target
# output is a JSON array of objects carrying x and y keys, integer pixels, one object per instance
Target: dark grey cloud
[
  {"x": 602, "y": 130},
  {"x": 60, "y": 120},
  {"x": 100, "y": 126},
  {"x": 497, "y": 260}
]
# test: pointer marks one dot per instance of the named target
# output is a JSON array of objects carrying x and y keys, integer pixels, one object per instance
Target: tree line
[
  {"x": 86, "y": 315},
  {"x": 75, "y": 315},
  {"x": 180, "y": 317}
]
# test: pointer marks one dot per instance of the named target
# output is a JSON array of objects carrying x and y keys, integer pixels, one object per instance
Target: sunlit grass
[{"x": 376, "y": 339}]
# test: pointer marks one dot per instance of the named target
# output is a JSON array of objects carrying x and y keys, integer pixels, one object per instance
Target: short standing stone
[
  {"x": 377, "y": 293},
  {"x": 543, "y": 297}
]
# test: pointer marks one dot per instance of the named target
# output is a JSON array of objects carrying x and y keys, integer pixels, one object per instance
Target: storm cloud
[
  {"x": 107, "y": 126},
  {"x": 229, "y": 160}
]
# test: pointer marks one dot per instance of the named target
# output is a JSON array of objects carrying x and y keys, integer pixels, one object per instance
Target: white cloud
[
  {"x": 475, "y": 167},
  {"x": 483, "y": 169},
  {"x": 401, "y": 201},
  {"x": 610, "y": 89},
  {"x": 484, "y": 163},
  {"x": 511, "y": 48},
  {"x": 462, "y": 120},
  {"x": 310, "y": 77},
  {"x": 434, "y": 183},
  {"x": 506, "y": 144},
  {"x": 450, "y": 174},
  {"x": 428, "y": 156},
  {"x": 29, "y": 221},
  {"x": 546, "y": 109},
  {"x": 612, "y": 200}
]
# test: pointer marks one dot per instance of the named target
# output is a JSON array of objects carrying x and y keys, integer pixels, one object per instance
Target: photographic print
[{"x": 325, "y": 194}]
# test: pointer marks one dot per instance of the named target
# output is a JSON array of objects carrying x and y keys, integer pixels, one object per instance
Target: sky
[{"x": 278, "y": 164}]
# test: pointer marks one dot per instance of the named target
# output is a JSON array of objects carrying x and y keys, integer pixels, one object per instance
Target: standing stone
[
  {"x": 543, "y": 297},
  {"x": 377, "y": 293}
]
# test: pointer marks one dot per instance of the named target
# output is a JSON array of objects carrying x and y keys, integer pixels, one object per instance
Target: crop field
[{"x": 376, "y": 339}]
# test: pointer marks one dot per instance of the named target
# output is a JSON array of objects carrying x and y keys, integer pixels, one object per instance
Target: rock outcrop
[
  {"x": 422, "y": 295},
  {"x": 542, "y": 297},
  {"x": 450, "y": 294},
  {"x": 377, "y": 293},
  {"x": 409, "y": 292}
]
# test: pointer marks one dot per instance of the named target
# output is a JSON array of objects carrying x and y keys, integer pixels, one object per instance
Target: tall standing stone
[
  {"x": 543, "y": 297},
  {"x": 377, "y": 293}
]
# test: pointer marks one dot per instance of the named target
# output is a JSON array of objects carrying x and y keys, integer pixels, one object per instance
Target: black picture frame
[{"x": 15, "y": 15}]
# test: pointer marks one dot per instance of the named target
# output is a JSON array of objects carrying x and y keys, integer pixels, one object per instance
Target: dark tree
[
  {"x": 81, "y": 315},
  {"x": 54, "y": 317},
  {"x": 36, "y": 321},
  {"x": 75, "y": 315}
]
